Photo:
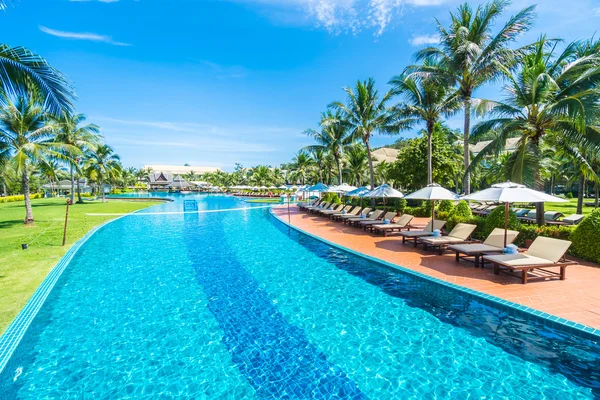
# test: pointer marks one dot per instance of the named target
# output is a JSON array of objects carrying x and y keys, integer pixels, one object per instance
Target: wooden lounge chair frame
[
  {"x": 390, "y": 228},
  {"x": 441, "y": 247}
]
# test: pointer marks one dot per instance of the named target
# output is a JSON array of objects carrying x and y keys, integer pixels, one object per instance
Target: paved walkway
[{"x": 577, "y": 298}]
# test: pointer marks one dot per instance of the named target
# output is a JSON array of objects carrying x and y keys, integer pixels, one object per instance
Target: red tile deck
[{"x": 577, "y": 298}]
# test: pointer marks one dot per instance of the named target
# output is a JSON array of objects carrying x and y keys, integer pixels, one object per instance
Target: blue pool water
[{"x": 236, "y": 305}]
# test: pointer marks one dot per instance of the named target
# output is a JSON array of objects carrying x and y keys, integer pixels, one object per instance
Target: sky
[{"x": 219, "y": 82}]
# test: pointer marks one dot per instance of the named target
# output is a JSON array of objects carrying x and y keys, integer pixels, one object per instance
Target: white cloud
[
  {"x": 338, "y": 16},
  {"x": 596, "y": 11},
  {"x": 94, "y": 37},
  {"x": 420, "y": 40}
]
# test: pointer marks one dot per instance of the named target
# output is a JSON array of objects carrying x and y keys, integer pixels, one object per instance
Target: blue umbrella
[
  {"x": 319, "y": 187},
  {"x": 359, "y": 192}
]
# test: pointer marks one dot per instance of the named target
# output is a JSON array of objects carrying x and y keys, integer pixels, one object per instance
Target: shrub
[
  {"x": 496, "y": 220},
  {"x": 585, "y": 238},
  {"x": 20, "y": 197},
  {"x": 569, "y": 195},
  {"x": 462, "y": 210},
  {"x": 332, "y": 197},
  {"x": 401, "y": 205},
  {"x": 530, "y": 232},
  {"x": 445, "y": 206},
  {"x": 417, "y": 211}
]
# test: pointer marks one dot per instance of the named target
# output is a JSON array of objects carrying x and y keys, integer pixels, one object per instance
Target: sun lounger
[
  {"x": 303, "y": 206},
  {"x": 494, "y": 243},
  {"x": 320, "y": 207},
  {"x": 375, "y": 215},
  {"x": 544, "y": 253},
  {"x": 460, "y": 234},
  {"x": 488, "y": 210},
  {"x": 550, "y": 217},
  {"x": 427, "y": 231},
  {"x": 401, "y": 223},
  {"x": 387, "y": 216},
  {"x": 353, "y": 212},
  {"x": 347, "y": 218},
  {"x": 573, "y": 219},
  {"x": 332, "y": 210}
]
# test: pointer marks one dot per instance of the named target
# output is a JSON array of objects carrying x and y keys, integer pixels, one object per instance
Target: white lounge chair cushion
[
  {"x": 437, "y": 240},
  {"x": 517, "y": 260},
  {"x": 462, "y": 231},
  {"x": 474, "y": 248},
  {"x": 496, "y": 238},
  {"x": 548, "y": 248}
]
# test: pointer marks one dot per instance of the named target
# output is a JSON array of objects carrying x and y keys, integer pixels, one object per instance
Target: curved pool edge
[
  {"x": 546, "y": 319},
  {"x": 12, "y": 336}
]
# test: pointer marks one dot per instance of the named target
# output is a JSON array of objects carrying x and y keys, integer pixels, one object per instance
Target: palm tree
[
  {"x": 469, "y": 56},
  {"x": 333, "y": 138},
  {"x": 551, "y": 97},
  {"x": 318, "y": 156},
  {"x": 423, "y": 101},
  {"x": 82, "y": 137},
  {"x": 365, "y": 113},
  {"x": 356, "y": 164},
  {"x": 25, "y": 131},
  {"x": 300, "y": 166},
  {"x": 22, "y": 70},
  {"x": 102, "y": 165},
  {"x": 50, "y": 170}
]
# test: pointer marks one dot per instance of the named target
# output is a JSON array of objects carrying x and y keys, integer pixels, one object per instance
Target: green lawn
[
  {"x": 22, "y": 271},
  {"x": 265, "y": 200},
  {"x": 570, "y": 207}
]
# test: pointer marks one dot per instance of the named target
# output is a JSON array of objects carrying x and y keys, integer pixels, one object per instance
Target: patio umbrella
[
  {"x": 283, "y": 187},
  {"x": 509, "y": 192},
  {"x": 432, "y": 192},
  {"x": 343, "y": 188},
  {"x": 359, "y": 192},
  {"x": 384, "y": 191}
]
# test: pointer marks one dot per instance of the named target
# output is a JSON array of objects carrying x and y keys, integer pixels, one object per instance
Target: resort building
[
  {"x": 384, "y": 154},
  {"x": 163, "y": 177},
  {"x": 180, "y": 169},
  {"x": 511, "y": 145},
  {"x": 63, "y": 188}
]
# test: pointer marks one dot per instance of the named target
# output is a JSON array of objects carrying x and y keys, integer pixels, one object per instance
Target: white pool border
[{"x": 550, "y": 320}]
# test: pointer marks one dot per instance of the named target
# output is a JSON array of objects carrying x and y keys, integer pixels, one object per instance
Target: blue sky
[{"x": 217, "y": 82}]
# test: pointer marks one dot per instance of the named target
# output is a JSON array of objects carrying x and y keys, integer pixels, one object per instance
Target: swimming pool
[{"x": 234, "y": 304}]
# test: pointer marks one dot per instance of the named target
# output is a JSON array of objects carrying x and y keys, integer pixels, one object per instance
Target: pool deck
[{"x": 577, "y": 298}]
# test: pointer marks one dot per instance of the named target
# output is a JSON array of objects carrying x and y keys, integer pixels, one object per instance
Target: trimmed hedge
[
  {"x": 585, "y": 238},
  {"x": 446, "y": 206},
  {"x": 496, "y": 220},
  {"x": 20, "y": 197}
]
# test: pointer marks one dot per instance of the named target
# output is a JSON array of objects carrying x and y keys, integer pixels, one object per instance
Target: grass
[
  {"x": 265, "y": 200},
  {"x": 22, "y": 271},
  {"x": 570, "y": 207}
]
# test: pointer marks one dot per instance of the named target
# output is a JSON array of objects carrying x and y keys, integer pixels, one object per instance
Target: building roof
[
  {"x": 511, "y": 145},
  {"x": 180, "y": 169},
  {"x": 386, "y": 154}
]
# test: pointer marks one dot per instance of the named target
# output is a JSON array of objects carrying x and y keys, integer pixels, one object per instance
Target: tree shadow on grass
[{"x": 11, "y": 223}]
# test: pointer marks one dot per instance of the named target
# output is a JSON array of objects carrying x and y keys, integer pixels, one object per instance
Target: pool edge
[
  {"x": 545, "y": 318},
  {"x": 15, "y": 332}
]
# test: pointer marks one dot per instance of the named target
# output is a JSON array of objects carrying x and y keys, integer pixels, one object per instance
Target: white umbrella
[
  {"x": 263, "y": 187},
  {"x": 432, "y": 192},
  {"x": 343, "y": 188},
  {"x": 509, "y": 192},
  {"x": 283, "y": 187},
  {"x": 384, "y": 191}
]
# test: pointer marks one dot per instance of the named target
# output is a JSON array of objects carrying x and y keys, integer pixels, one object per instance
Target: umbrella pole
[
  {"x": 432, "y": 213},
  {"x": 505, "y": 223},
  {"x": 288, "y": 201}
]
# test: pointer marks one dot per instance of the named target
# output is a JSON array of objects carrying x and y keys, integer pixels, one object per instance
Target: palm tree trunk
[
  {"x": 580, "y": 191},
  {"x": 28, "y": 210},
  {"x": 466, "y": 154},
  {"x": 102, "y": 189},
  {"x": 79, "y": 192},
  {"x": 596, "y": 193},
  {"x": 371, "y": 172},
  {"x": 339, "y": 170},
  {"x": 429, "y": 153},
  {"x": 72, "y": 184},
  {"x": 4, "y": 189}
]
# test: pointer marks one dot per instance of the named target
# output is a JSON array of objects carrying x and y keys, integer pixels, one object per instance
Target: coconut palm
[
  {"x": 29, "y": 138},
  {"x": 469, "y": 55},
  {"x": 355, "y": 164},
  {"x": 551, "y": 96},
  {"x": 423, "y": 101},
  {"x": 333, "y": 138},
  {"x": 21, "y": 70},
  {"x": 364, "y": 114},
  {"x": 103, "y": 165},
  {"x": 261, "y": 175},
  {"x": 70, "y": 131},
  {"x": 300, "y": 166}
]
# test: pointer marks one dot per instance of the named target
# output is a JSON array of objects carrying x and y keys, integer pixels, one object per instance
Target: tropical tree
[
  {"x": 355, "y": 164},
  {"x": 22, "y": 71},
  {"x": 332, "y": 138},
  {"x": 103, "y": 165},
  {"x": 423, "y": 101},
  {"x": 261, "y": 175},
  {"x": 364, "y": 114},
  {"x": 300, "y": 167},
  {"x": 69, "y": 130},
  {"x": 29, "y": 139},
  {"x": 469, "y": 55},
  {"x": 318, "y": 156},
  {"x": 553, "y": 95}
]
